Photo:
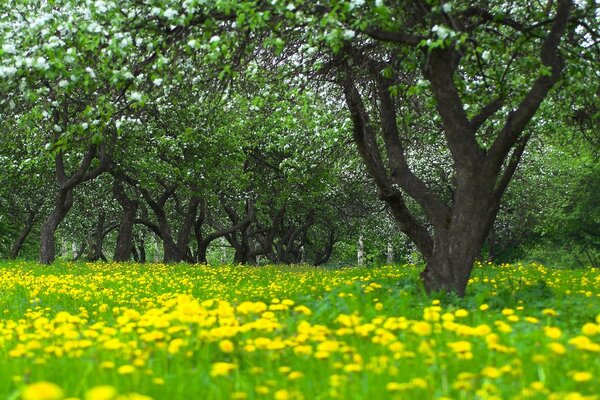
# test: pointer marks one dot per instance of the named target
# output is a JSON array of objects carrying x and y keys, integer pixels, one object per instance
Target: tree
[{"x": 488, "y": 71}]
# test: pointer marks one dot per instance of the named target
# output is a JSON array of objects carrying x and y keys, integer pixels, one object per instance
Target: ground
[{"x": 126, "y": 331}]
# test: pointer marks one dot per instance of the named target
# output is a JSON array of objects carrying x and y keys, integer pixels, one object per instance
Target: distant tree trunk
[
  {"x": 135, "y": 254},
  {"x": 77, "y": 254},
  {"x": 361, "y": 251},
  {"x": 390, "y": 253},
  {"x": 185, "y": 231},
  {"x": 141, "y": 249},
  {"x": 97, "y": 239},
  {"x": 170, "y": 248},
  {"x": 66, "y": 183},
  {"x": 323, "y": 256},
  {"x": 125, "y": 237},
  {"x": 241, "y": 244},
  {"x": 18, "y": 244},
  {"x": 62, "y": 205}
]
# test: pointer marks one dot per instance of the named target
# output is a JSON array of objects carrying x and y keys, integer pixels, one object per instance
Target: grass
[{"x": 127, "y": 331}]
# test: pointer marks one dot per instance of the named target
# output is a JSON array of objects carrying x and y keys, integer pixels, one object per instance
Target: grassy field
[{"x": 125, "y": 331}]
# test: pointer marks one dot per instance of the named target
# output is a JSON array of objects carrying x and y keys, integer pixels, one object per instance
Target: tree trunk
[
  {"x": 361, "y": 251},
  {"x": 97, "y": 240},
  {"x": 185, "y": 232},
  {"x": 63, "y": 203},
  {"x": 456, "y": 248},
  {"x": 142, "y": 249},
  {"x": 390, "y": 253},
  {"x": 18, "y": 244},
  {"x": 125, "y": 236}
]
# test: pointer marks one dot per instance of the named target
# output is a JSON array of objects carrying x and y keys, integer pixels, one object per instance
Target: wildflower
[
  {"x": 590, "y": 329},
  {"x": 295, "y": 375},
  {"x": 491, "y": 372},
  {"x": 126, "y": 369},
  {"x": 222, "y": 369},
  {"x": 226, "y": 346},
  {"x": 460, "y": 346},
  {"x": 582, "y": 376},
  {"x": 261, "y": 389},
  {"x": 281, "y": 395},
  {"x": 461, "y": 313},
  {"x": 42, "y": 391},
  {"x": 422, "y": 328},
  {"x": 557, "y": 348},
  {"x": 552, "y": 332},
  {"x": 103, "y": 392}
]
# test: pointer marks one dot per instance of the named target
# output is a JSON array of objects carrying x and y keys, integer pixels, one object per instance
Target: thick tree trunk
[
  {"x": 63, "y": 203},
  {"x": 18, "y": 244},
  {"x": 456, "y": 248}
]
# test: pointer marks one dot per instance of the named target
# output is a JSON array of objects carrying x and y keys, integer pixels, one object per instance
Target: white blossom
[
  {"x": 63, "y": 83},
  {"x": 356, "y": 3},
  {"x": 100, "y": 6},
  {"x": 136, "y": 96},
  {"x": 6, "y": 71},
  {"x": 157, "y": 82},
  {"x": 349, "y": 34},
  {"x": 171, "y": 13},
  {"x": 9, "y": 48},
  {"x": 41, "y": 63}
]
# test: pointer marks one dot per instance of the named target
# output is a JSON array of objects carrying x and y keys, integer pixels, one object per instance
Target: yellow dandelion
[
  {"x": 103, "y": 392},
  {"x": 226, "y": 346},
  {"x": 42, "y": 391},
  {"x": 126, "y": 369}
]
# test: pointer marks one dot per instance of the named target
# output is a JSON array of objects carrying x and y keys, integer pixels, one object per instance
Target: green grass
[{"x": 306, "y": 333}]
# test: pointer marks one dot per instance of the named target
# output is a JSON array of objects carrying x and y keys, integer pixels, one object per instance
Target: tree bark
[
  {"x": 97, "y": 239},
  {"x": 62, "y": 205},
  {"x": 125, "y": 237},
  {"x": 23, "y": 234},
  {"x": 361, "y": 251},
  {"x": 66, "y": 184}
]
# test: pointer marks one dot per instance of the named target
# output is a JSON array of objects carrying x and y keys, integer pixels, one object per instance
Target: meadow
[{"x": 127, "y": 331}]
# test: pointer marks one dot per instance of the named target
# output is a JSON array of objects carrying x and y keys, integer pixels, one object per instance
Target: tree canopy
[{"x": 281, "y": 131}]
